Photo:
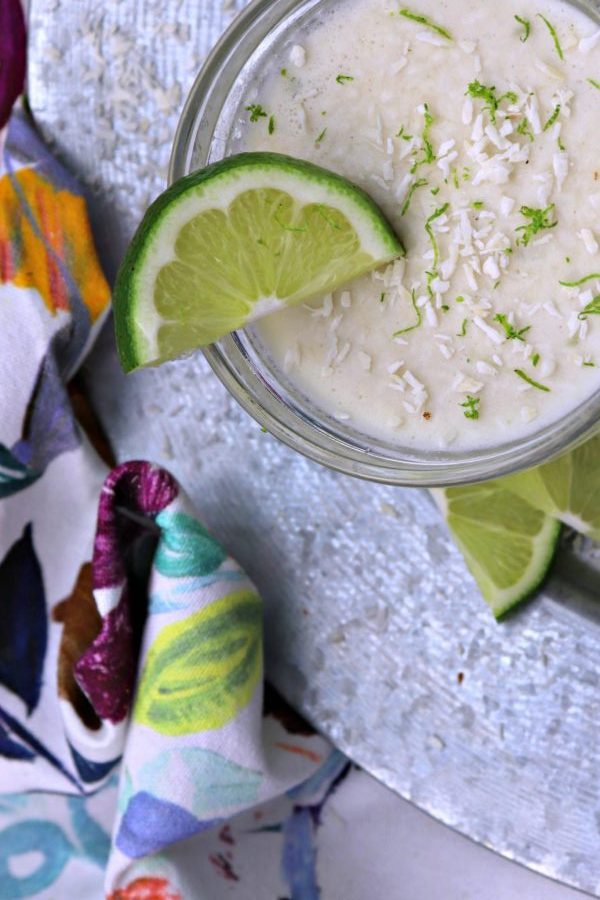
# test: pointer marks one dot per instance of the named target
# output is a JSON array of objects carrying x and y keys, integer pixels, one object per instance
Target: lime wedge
[
  {"x": 567, "y": 488},
  {"x": 239, "y": 239},
  {"x": 507, "y": 543}
]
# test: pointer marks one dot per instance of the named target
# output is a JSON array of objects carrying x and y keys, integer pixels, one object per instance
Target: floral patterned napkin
[{"x": 130, "y": 643}]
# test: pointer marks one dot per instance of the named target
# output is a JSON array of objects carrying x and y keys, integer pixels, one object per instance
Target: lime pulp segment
[
  {"x": 567, "y": 488},
  {"x": 234, "y": 241},
  {"x": 507, "y": 543}
]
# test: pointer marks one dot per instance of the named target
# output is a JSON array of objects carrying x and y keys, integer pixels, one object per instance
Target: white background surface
[{"x": 435, "y": 862}]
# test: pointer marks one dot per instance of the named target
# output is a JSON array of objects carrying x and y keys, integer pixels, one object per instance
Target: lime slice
[
  {"x": 237, "y": 240},
  {"x": 567, "y": 488},
  {"x": 507, "y": 543}
]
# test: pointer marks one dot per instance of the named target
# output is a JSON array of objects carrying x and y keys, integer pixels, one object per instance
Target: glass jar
[{"x": 203, "y": 136}]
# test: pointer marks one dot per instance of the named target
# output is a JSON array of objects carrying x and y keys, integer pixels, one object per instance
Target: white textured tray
[{"x": 375, "y": 630}]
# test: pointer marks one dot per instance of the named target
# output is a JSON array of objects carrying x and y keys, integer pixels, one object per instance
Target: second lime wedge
[
  {"x": 507, "y": 543},
  {"x": 567, "y": 488},
  {"x": 241, "y": 238}
]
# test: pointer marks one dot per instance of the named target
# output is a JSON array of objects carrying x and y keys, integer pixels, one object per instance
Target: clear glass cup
[{"x": 204, "y": 135}]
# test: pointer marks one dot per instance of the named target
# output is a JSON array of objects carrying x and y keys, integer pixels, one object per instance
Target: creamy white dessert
[{"x": 476, "y": 127}]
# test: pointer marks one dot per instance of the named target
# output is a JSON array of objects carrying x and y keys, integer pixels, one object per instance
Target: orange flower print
[
  {"x": 146, "y": 889},
  {"x": 37, "y": 254}
]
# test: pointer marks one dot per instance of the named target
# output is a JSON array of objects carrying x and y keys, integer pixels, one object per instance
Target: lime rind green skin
[
  {"x": 545, "y": 559},
  {"x": 567, "y": 488},
  {"x": 502, "y": 603},
  {"x": 488, "y": 516},
  {"x": 125, "y": 295}
]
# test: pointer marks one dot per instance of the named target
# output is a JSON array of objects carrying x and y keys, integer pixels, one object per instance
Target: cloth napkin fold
[
  {"x": 133, "y": 724},
  {"x": 130, "y": 645},
  {"x": 151, "y": 594}
]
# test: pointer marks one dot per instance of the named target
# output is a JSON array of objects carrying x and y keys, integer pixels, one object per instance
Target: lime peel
[
  {"x": 241, "y": 238},
  {"x": 506, "y": 542},
  {"x": 508, "y": 529}
]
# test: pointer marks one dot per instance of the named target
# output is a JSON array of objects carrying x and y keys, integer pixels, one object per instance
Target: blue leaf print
[
  {"x": 324, "y": 777},
  {"x": 49, "y": 428},
  {"x": 33, "y": 835},
  {"x": 149, "y": 824},
  {"x": 185, "y": 547},
  {"x": 28, "y": 738},
  {"x": 24, "y": 631},
  {"x": 90, "y": 771},
  {"x": 94, "y": 840},
  {"x": 126, "y": 791},
  {"x": 299, "y": 859},
  {"x": 14, "y": 476},
  {"x": 10, "y": 803},
  {"x": 179, "y": 594},
  {"x": 13, "y": 750}
]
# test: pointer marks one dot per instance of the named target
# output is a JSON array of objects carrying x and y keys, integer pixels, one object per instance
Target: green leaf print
[{"x": 202, "y": 670}]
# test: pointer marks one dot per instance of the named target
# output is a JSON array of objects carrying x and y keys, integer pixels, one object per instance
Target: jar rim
[{"x": 335, "y": 449}]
